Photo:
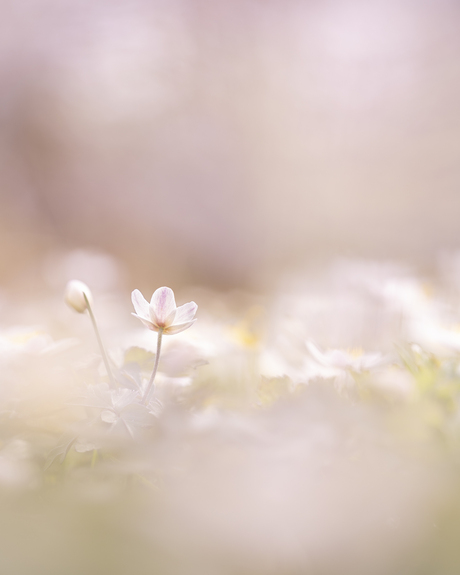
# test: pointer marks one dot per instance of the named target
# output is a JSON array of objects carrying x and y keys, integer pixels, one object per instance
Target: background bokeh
[{"x": 223, "y": 143}]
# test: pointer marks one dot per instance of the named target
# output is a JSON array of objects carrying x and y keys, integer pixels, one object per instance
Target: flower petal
[
  {"x": 317, "y": 353},
  {"x": 146, "y": 322},
  {"x": 141, "y": 305},
  {"x": 185, "y": 312},
  {"x": 178, "y": 327},
  {"x": 163, "y": 307}
]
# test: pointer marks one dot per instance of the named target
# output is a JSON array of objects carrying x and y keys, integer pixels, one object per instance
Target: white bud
[{"x": 74, "y": 295}]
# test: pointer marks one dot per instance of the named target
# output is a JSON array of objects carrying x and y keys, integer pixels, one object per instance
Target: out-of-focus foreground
[{"x": 313, "y": 431}]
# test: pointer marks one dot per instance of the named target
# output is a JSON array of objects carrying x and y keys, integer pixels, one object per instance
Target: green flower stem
[
  {"x": 99, "y": 341},
  {"x": 94, "y": 458},
  {"x": 155, "y": 367}
]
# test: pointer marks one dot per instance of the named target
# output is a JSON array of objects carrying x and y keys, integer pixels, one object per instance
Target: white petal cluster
[
  {"x": 344, "y": 360},
  {"x": 162, "y": 313}
]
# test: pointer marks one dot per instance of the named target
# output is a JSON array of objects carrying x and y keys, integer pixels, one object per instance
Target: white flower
[
  {"x": 121, "y": 408},
  {"x": 162, "y": 313},
  {"x": 343, "y": 360},
  {"x": 75, "y": 293}
]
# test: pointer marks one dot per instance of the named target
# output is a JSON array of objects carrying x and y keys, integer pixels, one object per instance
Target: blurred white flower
[
  {"x": 75, "y": 293},
  {"x": 346, "y": 361},
  {"x": 433, "y": 336},
  {"x": 16, "y": 467},
  {"x": 19, "y": 340},
  {"x": 162, "y": 313},
  {"x": 121, "y": 408}
]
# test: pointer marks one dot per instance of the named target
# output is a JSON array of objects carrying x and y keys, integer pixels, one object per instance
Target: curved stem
[
  {"x": 99, "y": 341},
  {"x": 149, "y": 389}
]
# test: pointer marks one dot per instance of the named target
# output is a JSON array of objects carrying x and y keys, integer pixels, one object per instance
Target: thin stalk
[
  {"x": 155, "y": 367},
  {"x": 99, "y": 341},
  {"x": 94, "y": 458}
]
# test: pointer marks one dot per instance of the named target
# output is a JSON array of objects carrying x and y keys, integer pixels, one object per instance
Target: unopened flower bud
[{"x": 74, "y": 295}]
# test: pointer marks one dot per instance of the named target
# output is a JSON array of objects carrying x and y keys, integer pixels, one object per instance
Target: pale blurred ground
[{"x": 224, "y": 142}]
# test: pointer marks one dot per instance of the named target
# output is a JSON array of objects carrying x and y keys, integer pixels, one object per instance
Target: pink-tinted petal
[
  {"x": 178, "y": 327},
  {"x": 163, "y": 307},
  {"x": 185, "y": 312},
  {"x": 171, "y": 318},
  {"x": 146, "y": 322},
  {"x": 141, "y": 305}
]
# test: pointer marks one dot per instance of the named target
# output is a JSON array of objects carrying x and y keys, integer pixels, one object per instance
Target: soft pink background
[{"x": 223, "y": 142}]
